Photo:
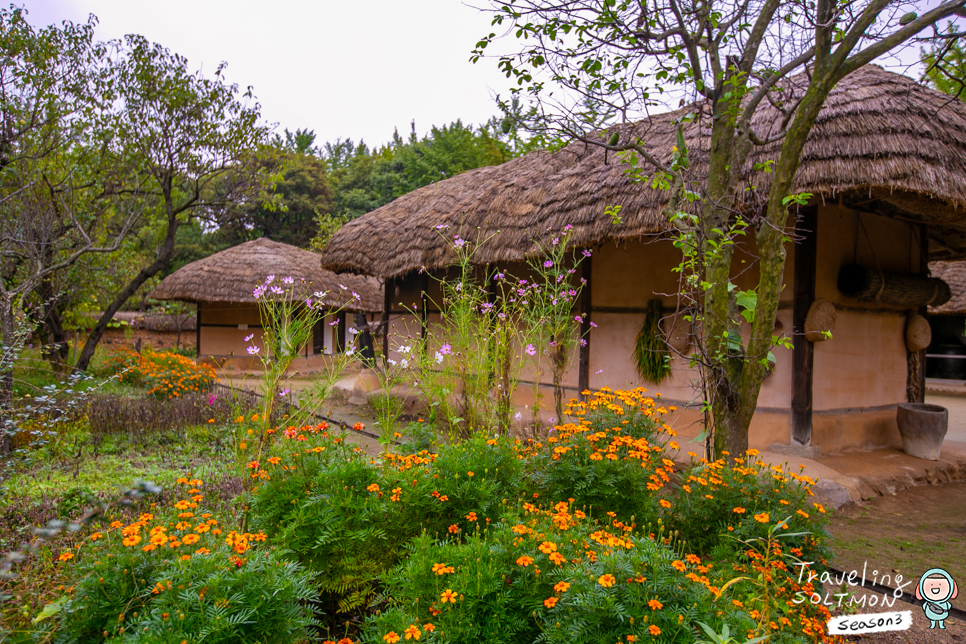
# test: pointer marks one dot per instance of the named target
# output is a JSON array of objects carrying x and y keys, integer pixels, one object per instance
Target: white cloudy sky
[
  {"x": 347, "y": 68},
  {"x": 343, "y": 68}
]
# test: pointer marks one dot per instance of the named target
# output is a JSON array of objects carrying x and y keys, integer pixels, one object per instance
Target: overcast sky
[{"x": 348, "y": 68}]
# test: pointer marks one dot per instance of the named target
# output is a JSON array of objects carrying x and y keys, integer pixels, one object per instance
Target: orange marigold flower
[
  {"x": 65, "y": 556},
  {"x": 448, "y": 596},
  {"x": 412, "y": 633},
  {"x": 520, "y": 529},
  {"x": 190, "y": 539},
  {"x": 547, "y": 547},
  {"x": 524, "y": 561},
  {"x": 391, "y": 636},
  {"x": 96, "y": 536},
  {"x": 471, "y": 516},
  {"x": 558, "y": 558},
  {"x": 202, "y": 551},
  {"x": 607, "y": 580},
  {"x": 655, "y": 604},
  {"x": 131, "y": 540},
  {"x": 561, "y": 587},
  {"x": 665, "y": 503},
  {"x": 739, "y": 510},
  {"x": 679, "y": 566},
  {"x": 762, "y": 518},
  {"x": 654, "y": 630},
  {"x": 454, "y": 528},
  {"x": 550, "y": 602},
  {"x": 802, "y": 513},
  {"x": 442, "y": 569},
  {"x": 428, "y": 627},
  {"x": 372, "y": 488}
]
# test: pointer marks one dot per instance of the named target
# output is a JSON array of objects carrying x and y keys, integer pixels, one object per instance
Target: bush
[
  {"x": 720, "y": 504},
  {"x": 180, "y": 576},
  {"x": 551, "y": 575},
  {"x": 166, "y": 375},
  {"x": 388, "y": 537}
]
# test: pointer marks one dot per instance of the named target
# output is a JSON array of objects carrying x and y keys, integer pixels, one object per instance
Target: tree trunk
[
  {"x": 8, "y": 354},
  {"x": 160, "y": 263}
]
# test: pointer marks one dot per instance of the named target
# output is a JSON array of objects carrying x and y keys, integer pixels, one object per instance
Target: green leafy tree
[
  {"x": 287, "y": 214},
  {"x": 946, "y": 63},
  {"x": 194, "y": 140},
  {"x": 615, "y": 60},
  {"x": 57, "y": 168}
]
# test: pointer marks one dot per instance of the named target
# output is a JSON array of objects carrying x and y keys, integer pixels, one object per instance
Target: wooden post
[
  {"x": 917, "y": 366},
  {"x": 387, "y": 302},
  {"x": 802, "y": 356},
  {"x": 586, "y": 307},
  {"x": 198, "y": 331},
  {"x": 424, "y": 304},
  {"x": 342, "y": 330}
]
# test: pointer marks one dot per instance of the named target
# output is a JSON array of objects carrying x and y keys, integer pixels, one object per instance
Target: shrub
[
  {"x": 165, "y": 374},
  {"x": 721, "y": 503},
  {"x": 180, "y": 576},
  {"x": 550, "y": 575},
  {"x": 398, "y": 532}
]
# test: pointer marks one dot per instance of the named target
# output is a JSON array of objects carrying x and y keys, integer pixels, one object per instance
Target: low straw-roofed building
[
  {"x": 886, "y": 163},
  {"x": 222, "y": 286}
]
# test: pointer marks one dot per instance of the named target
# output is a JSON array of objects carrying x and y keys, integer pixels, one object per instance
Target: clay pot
[
  {"x": 918, "y": 332},
  {"x": 819, "y": 320},
  {"x": 922, "y": 427}
]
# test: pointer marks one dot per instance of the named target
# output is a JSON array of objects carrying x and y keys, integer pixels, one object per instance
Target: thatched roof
[
  {"x": 232, "y": 274},
  {"x": 882, "y": 141},
  {"x": 954, "y": 274}
]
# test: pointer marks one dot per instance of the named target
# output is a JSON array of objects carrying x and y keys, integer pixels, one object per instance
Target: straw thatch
[
  {"x": 954, "y": 274},
  {"x": 882, "y": 142},
  {"x": 232, "y": 274}
]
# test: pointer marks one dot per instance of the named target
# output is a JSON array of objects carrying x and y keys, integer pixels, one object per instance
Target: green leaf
[{"x": 51, "y": 609}]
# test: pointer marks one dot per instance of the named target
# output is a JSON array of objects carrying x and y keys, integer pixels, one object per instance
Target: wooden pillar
[
  {"x": 917, "y": 361},
  {"x": 198, "y": 331},
  {"x": 586, "y": 307},
  {"x": 342, "y": 330},
  {"x": 387, "y": 302},
  {"x": 802, "y": 356},
  {"x": 424, "y": 305}
]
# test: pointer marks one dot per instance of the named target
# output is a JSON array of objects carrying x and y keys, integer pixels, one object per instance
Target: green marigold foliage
[{"x": 176, "y": 577}]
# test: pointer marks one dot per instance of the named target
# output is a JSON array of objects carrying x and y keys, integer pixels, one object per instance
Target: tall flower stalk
[{"x": 289, "y": 313}]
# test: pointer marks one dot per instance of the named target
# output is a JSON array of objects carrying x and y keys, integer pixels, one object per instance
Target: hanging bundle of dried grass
[{"x": 651, "y": 354}]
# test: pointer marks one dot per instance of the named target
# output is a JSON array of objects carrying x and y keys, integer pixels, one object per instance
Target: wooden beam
[
  {"x": 343, "y": 314},
  {"x": 586, "y": 307},
  {"x": 424, "y": 305},
  {"x": 198, "y": 331},
  {"x": 802, "y": 355},
  {"x": 923, "y": 311},
  {"x": 390, "y": 287}
]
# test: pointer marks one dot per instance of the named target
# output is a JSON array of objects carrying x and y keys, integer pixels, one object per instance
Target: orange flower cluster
[
  {"x": 167, "y": 375},
  {"x": 192, "y": 534}
]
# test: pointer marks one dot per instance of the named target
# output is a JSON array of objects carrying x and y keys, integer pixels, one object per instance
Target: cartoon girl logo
[{"x": 936, "y": 589}]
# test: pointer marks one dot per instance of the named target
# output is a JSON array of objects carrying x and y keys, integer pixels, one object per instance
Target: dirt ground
[{"x": 906, "y": 534}]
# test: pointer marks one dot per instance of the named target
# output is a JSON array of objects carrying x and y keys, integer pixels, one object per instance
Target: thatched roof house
[
  {"x": 882, "y": 141},
  {"x": 886, "y": 163},
  {"x": 222, "y": 286}
]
